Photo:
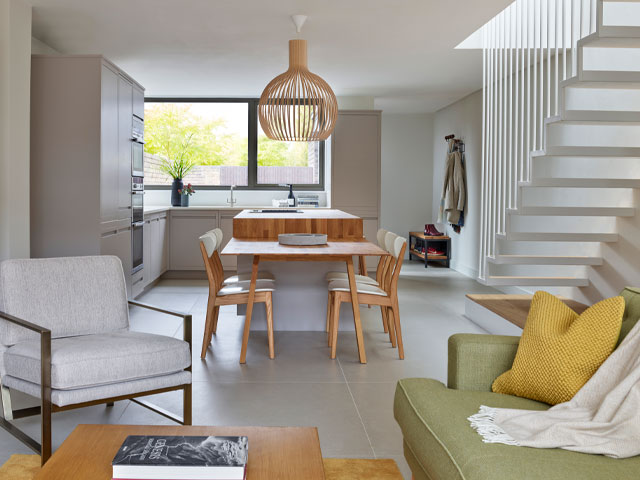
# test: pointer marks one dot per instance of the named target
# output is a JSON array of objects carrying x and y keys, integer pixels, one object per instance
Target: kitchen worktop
[
  {"x": 157, "y": 209},
  {"x": 297, "y": 213}
]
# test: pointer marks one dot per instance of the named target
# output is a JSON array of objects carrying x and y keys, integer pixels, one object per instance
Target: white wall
[
  {"x": 15, "y": 74},
  {"x": 464, "y": 120},
  {"x": 406, "y": 171}
]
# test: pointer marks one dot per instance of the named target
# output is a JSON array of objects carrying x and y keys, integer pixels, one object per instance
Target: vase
[
  {"x": 184, "y": 201},
  {"x": 177, "y": 184}
]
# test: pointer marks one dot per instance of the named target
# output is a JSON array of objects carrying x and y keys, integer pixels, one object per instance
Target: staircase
[{"x": 582, "y": 183}]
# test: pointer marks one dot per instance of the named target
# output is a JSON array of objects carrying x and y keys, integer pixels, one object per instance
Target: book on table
[{"x": 147, "y": 457}]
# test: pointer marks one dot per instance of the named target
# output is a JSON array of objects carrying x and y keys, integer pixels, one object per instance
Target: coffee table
[{"x": 274, "y": 452}]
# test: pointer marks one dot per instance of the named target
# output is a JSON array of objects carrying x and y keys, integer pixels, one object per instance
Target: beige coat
[{"x": 454, "y": 190}]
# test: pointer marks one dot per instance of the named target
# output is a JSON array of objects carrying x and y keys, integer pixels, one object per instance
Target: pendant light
[{"x": 298, "y": 105}]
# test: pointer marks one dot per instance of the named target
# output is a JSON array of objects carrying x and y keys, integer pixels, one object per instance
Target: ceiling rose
[{"x": 298, "y": 105}]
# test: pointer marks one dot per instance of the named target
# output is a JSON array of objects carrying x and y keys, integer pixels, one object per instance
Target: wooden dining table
[{"x": 342, "y": 251}]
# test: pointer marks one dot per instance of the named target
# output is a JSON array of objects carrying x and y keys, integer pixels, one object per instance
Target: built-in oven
[
  {"x": 137, "y": 148},
  {"x": 137, "y": 222}
]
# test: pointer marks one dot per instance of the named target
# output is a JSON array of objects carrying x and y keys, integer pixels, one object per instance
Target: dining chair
[
  {"x": 242, "y": 277},
  {"x": 384, "y": 295},
  {"x": 230, "y": 294},
  {"x": 365, "y": 279}
]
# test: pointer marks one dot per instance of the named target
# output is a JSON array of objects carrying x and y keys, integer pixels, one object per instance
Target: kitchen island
[{"x": 300, "y": 299}]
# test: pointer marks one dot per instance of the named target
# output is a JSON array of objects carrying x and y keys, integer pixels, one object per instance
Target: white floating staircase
[{"x": 584, "y": 178}]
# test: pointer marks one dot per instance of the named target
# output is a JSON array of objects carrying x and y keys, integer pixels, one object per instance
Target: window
[{"x": 221, "y": 143}]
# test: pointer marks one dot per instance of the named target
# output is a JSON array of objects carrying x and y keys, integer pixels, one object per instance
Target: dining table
[{"x": 336, "y": 251}]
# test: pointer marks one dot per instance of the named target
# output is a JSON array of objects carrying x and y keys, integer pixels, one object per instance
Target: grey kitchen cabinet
[
  {"x": 80, "y": 176},
  {"x": 184, "y": 243},
  {"x": 125, "y": 123},
  {"x": 159, "y": 240},
  {"x": 355, "y": 168},
  {"x": 229, "y": 262},
  {"x": 138, "y": 101},
  {"x": 118, "y": 243}
]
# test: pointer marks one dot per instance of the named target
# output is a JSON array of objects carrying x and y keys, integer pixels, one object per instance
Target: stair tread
[
  {"x": 563, "y": 236},
  {"x": 537, "y": 281},
  {"x": 582, "y": 182},
  {"x": 574, "y": 211},
  {"x": 508, "y": 259}
]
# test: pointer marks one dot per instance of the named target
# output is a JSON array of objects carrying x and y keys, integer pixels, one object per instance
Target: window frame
[{"x": 252, "y": 154}]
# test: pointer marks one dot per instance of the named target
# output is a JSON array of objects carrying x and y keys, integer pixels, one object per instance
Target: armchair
[{"x": 65, "y": 339}]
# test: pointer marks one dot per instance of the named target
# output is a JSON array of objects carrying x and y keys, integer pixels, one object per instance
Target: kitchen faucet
[{"x": 231, "y": 201}]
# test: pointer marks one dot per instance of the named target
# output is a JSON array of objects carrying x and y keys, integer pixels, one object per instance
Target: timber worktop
[{"x": 336, "y": 224}]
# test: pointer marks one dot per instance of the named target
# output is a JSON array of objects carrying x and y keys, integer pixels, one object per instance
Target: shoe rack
[{"x": 419, "y": 245}]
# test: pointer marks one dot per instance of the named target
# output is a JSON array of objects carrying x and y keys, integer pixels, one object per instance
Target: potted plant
[
  {"x": 185, "y": 192},
  {"x": 177, "y": 169}
]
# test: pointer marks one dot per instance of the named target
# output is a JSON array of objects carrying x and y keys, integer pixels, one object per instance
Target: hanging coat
[{"x": 454, "y": 190}]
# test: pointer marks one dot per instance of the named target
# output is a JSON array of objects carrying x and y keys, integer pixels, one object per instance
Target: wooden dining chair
[
  {"x": 385, "y": 295},
  {"x": 232, "y": 294},
  {"x": 242, "y": 277},
  {"x": 365, "y": 279}
]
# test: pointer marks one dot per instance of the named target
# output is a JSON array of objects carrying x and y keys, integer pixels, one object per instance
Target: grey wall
[
  {"x": 407, "y": 169},
  {"x": 15, "y": 75},
  {"x": 463, "y": 119}
]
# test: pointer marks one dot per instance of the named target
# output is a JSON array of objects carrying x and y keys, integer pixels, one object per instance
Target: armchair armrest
[
  {"x": 186, "y": 317},
  {"x": 475, "y": 361}
]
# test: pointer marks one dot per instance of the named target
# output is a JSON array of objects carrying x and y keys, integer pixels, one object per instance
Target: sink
[{"x": 275, "y": 210}]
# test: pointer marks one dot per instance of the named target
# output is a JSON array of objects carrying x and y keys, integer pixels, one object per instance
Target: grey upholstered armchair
[{"x": 65, "y": 338}]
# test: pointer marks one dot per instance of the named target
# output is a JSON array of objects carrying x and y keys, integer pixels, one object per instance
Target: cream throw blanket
[{"x": 602, "y": 418}]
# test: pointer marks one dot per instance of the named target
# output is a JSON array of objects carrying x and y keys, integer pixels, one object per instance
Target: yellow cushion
[{"x": 560, "y": 350}]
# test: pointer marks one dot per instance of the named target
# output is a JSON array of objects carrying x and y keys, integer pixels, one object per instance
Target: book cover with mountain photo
[{"x": 222, "y": 457}]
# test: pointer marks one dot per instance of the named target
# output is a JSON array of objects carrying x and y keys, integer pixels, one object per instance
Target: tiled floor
[{"x": 351, "y": 404}]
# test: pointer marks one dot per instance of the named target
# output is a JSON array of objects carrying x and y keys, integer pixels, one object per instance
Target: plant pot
[
  {"x": 184, "y": 201},
  {"x": 175, "y": 196}
]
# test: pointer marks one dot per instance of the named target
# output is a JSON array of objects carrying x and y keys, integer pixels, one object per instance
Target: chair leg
[
  {"x": 335, "y": 323},
  {"x": 396, "y": 322},
  {"x": 45, "y": 449},
  {"x": 186, "y": 405},
  {"x": 384, "y": 319},
  {"x": 330, "y": 301},
  {"x": 110, "y": 404},
  {"x": 7, "y": 409},
  {"x": 216, "y": 313},
  {"x": 208, "y": 329},
  {"x": 392, "y": 331},
  {"x": 328, "y": 312},
  {"x": 268, "y": 305}
]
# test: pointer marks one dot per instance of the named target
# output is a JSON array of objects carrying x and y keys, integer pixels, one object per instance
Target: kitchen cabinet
[
  {"x": 118, "y": 243},
  {"x": 184, "y": 234},
  {"x": 80, "y": 183},
  {"x": 138, "y": 101},
  {"x": 355, "y": 168},
  {"x": 125, "y": 122},
  {"x": 156, "y": 247}
]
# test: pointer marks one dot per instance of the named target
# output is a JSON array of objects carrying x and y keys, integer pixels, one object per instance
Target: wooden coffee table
[{"x": 274, "y": 452}]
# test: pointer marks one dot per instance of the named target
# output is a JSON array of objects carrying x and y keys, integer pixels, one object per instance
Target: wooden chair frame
[
  {"x": 389, "y": 273},
  {"x": 215, "y": 275},
  {"x": 46, "y": 407}
]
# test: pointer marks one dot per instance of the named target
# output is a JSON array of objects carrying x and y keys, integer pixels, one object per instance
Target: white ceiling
[{"x": 399, "y": 51}]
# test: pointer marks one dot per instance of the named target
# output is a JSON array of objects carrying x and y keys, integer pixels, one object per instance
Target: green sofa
[{"x": 439, "y": 444}]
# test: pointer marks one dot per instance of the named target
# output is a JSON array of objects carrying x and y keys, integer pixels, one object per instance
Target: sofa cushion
[
  {"x": 91, "y": 360},
  {"x": 434, "y": 424},
  {"x": 559, "y": 350}
]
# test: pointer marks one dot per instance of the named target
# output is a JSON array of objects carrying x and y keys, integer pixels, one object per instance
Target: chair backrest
[
  {"x": 213, "y": 266},
  {"x": 380, "y": 236},
  {"x": 71, "y": 296},
  {"x": 219, "y": 236},
  {"x": 399, "y": 248}
]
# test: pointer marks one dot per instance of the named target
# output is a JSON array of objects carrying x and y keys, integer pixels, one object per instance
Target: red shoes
[
  {"x": 431, "y": 230},
  {"x": 433, "y": 251}
]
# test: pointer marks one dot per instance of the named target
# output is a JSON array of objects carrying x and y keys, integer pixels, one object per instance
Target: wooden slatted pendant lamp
[{"x": 298, "y": 105}]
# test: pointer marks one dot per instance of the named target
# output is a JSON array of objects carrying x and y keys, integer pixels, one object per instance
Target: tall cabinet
[
  {"x": 355, "y": 167},
  {"x": 81, "y": 119}
]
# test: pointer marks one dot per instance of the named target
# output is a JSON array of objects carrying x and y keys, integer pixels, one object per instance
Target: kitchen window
[{"x": 223, "y": 140}]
